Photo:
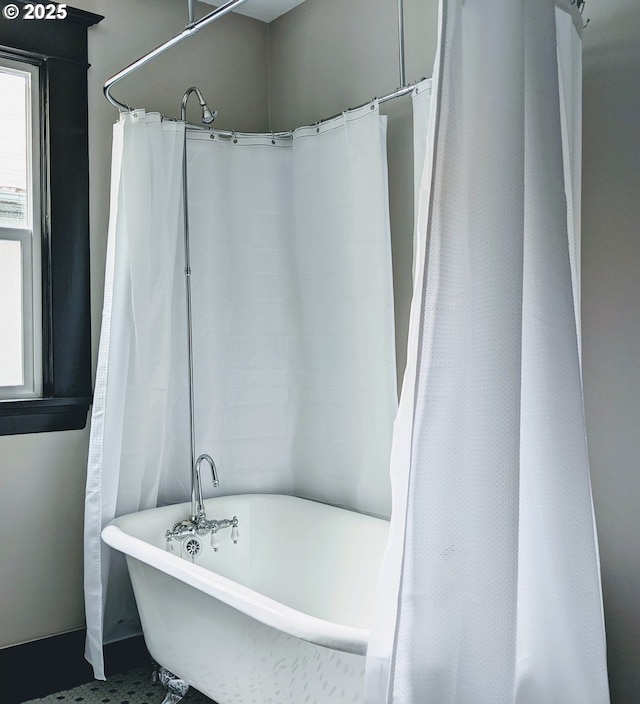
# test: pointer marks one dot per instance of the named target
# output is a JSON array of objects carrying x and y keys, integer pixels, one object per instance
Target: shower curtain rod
[
  {"x": 194, "y": 26},
  {"x": 288, "y": 134}
]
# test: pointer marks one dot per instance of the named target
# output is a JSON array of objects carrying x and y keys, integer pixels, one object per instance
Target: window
[
  {"x": 45, "y": 356},
  {"x": 20, "y": 235}
]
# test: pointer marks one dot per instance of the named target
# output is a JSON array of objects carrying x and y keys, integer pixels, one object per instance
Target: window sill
[{"x": 41, "y": 415}]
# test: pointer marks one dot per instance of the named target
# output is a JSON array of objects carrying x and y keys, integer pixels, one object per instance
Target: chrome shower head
[{"x": 208, "y": 115}]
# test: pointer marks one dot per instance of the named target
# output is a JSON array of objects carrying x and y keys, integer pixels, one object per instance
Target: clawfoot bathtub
[{"x": 280, "y": 617}]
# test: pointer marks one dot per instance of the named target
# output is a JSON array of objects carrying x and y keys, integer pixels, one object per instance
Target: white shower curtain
[
  {"x": 130, "y": 423},
  {"x": 295, "y": 356},
  {"x": 294, "y": 359},
  {"x": 490, "y": 589}
]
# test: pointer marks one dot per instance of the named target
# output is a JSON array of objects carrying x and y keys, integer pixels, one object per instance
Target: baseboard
[{"x": 50, "y": 665}]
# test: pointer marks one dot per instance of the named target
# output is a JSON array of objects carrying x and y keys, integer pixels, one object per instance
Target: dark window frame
[{"x": 59, "y": 48}]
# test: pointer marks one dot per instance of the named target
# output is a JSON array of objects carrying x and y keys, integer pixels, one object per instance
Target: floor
[{"x": 132, "y": 687}]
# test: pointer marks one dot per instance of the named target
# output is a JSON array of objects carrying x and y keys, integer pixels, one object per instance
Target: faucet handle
[{"x": 235, "y": 533}]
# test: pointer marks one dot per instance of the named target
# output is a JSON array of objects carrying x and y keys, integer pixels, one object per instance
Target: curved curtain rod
[
  {"x": 191, "y": 28},
  {"x": 288, "y": 134},
  {"x": 194, "y": 26}
]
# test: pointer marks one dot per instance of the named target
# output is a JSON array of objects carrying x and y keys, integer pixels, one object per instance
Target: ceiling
[{"x": 265, "y": 10}]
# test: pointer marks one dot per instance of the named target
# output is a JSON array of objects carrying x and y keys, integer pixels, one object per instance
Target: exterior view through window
[{"x": 20, "y": 279}]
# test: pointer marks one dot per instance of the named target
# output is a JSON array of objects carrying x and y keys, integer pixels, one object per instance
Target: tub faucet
[
  {"x": 190, "y": 531},
  {"x": 197, "y": 502},
  {"x": 189, "y": 534}
]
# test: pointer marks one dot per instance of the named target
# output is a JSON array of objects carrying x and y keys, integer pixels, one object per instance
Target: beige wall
[
  {"x": 42, "y": 476},
  {"x": 611, "y": 319}
]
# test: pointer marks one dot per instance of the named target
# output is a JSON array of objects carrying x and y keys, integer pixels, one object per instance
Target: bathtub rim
[{"x": 264, "y": 609}]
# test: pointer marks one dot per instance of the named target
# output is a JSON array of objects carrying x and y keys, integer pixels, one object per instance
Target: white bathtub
[{"x": 280, "y": 617}]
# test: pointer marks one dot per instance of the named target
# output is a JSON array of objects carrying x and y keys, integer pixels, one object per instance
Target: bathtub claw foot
[{"x": 176, "y": 687}]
